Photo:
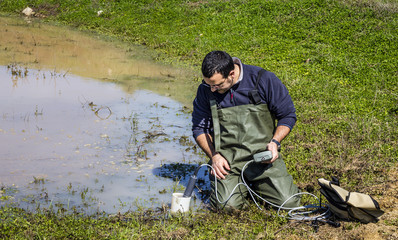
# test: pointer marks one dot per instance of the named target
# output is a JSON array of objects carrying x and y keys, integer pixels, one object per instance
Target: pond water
[{"x": 92, "y": 129}]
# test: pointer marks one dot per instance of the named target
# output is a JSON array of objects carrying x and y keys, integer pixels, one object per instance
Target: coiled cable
[{"x": 295, "y": 213}]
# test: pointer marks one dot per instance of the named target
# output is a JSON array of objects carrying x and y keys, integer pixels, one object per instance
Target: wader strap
[
  {"x": 216, "y": 124},
  {"x": 253, "y": 94}
]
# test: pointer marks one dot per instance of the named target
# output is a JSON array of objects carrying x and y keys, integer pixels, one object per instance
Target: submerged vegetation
[{"x": 338, "y": 60}]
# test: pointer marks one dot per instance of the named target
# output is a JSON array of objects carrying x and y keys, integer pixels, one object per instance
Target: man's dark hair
[{"x": 217, "y": 62}]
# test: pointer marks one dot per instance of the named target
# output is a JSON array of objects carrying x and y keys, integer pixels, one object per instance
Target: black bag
[{"x": 349, "y": 205}]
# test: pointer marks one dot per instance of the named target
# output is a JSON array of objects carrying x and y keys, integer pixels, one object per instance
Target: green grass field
[{"x": 338, "y": 60}]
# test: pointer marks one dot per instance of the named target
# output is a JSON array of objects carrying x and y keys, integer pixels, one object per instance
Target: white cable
[
  {"x": 292, "y": 211},
  {"x": 233, "y": 190}
]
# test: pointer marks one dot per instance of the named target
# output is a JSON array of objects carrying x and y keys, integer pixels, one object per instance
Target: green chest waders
[{"x": 240, "y": 132}]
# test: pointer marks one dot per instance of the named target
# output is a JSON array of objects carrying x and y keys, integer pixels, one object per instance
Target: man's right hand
[
  {"x": 219, "y": 163},
  {"x": 220, "y": 166}
]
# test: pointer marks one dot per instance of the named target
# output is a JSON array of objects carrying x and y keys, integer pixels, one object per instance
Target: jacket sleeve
[
  {"x": 278, "y": 99},
  {"x": 201, "y": 115}
]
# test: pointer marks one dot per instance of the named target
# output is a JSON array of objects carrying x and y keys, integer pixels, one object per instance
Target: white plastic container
[{"x": 179, "y": 203}]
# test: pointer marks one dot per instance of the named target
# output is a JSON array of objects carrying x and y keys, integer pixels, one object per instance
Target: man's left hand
[{"x": 274, "y": 150}]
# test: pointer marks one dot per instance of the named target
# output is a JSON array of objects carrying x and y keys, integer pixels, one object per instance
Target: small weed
[
  {"x": 83, "y": 193},
  {"x": 18, "y": 71},
  {"x": 177, "y": 187},
  {"x": 37, "y": 112},
  {"x": 38, "y": 180}
]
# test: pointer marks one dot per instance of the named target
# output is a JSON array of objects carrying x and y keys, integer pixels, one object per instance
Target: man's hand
[
  {"x": 219, "y": 163},
  {"x": 280, "y": 133},
  {"x": 220, "y": 166},
  {"x": 274, "y": 150}
]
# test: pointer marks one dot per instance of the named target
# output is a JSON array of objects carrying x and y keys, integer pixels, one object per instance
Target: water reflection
[
  {"x": 181, "y": 172},
  {"x": 72, "y": 141}
]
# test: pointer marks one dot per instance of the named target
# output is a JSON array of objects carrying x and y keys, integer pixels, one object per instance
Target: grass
[
  {"x": 20, "y": 224},
  {"x": 337, "y": 58}
]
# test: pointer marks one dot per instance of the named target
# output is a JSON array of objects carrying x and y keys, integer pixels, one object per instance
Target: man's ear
[{"x": 232, "y": 73}]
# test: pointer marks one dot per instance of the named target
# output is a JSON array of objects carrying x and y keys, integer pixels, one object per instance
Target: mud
[{"x": 58, "y": 49}]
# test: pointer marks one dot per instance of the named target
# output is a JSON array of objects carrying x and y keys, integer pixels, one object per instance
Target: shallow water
[{"x": 69, "y": 140}]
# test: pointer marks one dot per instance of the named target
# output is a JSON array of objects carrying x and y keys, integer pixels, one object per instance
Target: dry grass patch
[{"x": 380, "y": 6}]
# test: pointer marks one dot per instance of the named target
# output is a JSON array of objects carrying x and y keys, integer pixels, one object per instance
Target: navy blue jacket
[{"x": 271, "y": 89}]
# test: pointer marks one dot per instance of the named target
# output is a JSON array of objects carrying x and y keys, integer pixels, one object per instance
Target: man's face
[{"x": 220, "y": 84}]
